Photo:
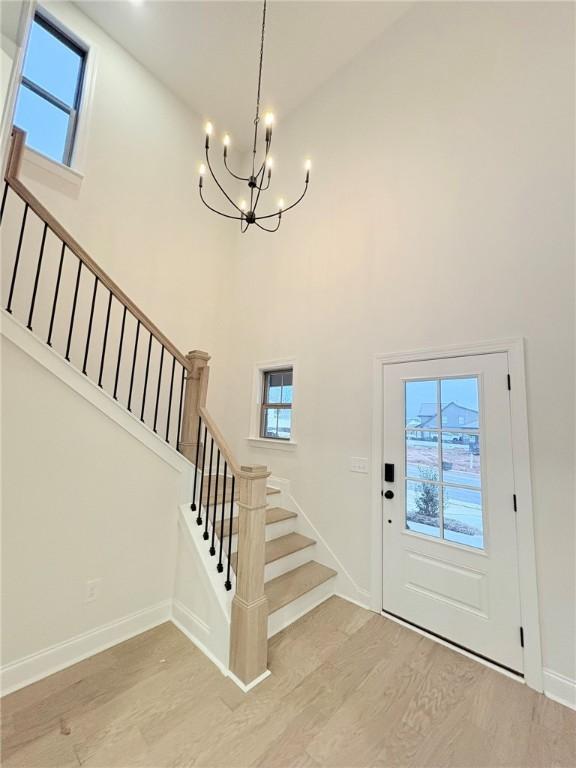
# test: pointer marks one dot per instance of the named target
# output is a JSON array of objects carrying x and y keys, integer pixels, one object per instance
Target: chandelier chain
[{"x": 261, "y": 61}]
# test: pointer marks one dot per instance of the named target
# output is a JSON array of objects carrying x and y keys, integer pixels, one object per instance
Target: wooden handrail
[
  {"x": 11, "y": 178},
  {"x": 220, "y": 441}
]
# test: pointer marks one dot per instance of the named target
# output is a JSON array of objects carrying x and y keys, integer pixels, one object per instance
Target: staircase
[
  {"x": 293, "y": 581},
  {"x": 61, "y": 295}
]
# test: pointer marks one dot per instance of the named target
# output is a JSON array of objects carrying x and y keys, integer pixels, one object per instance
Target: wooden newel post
[
  {"x": 196, "y": 389},
  {"x": 249, "y": 627}
]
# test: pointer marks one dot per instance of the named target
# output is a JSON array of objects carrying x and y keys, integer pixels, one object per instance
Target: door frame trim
[{"x": 514, "y": 348}]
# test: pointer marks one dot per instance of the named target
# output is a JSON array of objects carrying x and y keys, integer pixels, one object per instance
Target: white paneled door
[{"x": 450, "y": 561}]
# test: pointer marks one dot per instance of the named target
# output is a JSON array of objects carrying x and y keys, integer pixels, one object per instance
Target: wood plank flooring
[{"x": 348, "y": 688}]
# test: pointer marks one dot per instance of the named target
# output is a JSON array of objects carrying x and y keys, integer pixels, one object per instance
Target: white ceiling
[{"x": 207, "y": 52}]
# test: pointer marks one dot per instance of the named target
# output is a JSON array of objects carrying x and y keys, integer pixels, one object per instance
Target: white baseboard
[
  {"x": 560, "y": 688},
  {"x": 195, "y": 630},
  {"x": 253, "y": 684},
  {"x": 39, "y": 665}
]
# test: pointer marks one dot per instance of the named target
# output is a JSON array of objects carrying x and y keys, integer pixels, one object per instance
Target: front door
[{"x": 450, "y": 561}]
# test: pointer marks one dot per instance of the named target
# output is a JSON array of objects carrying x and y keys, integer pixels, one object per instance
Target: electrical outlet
[
  {"x": 92, "y": 590},
  {"x": 358, "y": 465}
]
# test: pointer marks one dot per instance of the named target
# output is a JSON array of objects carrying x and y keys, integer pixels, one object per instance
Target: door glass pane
[
  {"x": 423, "y": 508},
  {"x": 52, "y": 64},
  {"x": 461, "y": 458},
  {"x": 459, "y": 398},
  {"x": 45, "y": 124},
  {"x": 442, "y": 459},
  {"x": 421, "y": 455},
  {"x": 463, "y": 516},
  {"x": 421, "y": 403}
]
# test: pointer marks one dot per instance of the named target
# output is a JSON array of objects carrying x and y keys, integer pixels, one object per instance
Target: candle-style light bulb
[
  {"x": 307, "y": 167},
  {"x": 269, "y": 165},
  {"x": 208, "y": 128},
  {"x": 268, "y": 122},
  {"x": 281, "y": 204},
  {"x": 201, "y": 172},
  {"x": 242, "y": 205},
  {"x": 226, "y": 142}
]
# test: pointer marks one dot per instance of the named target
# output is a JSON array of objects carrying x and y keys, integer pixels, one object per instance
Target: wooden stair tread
[
  {"x": 292, "y": 585},
  {"x": 273, "y": 515},
  {"x": 280, "y": 547}
]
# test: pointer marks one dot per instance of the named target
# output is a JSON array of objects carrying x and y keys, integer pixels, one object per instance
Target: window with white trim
[
  {"x": 276, "y": 408},
  {"x": 50, "y": 90}
]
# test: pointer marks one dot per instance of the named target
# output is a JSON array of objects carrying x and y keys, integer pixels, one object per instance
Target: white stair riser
[
  {"x": 290, "y": 613},
  {"x": 273, "y": 531},
  {"x": 288, "y": 563}
]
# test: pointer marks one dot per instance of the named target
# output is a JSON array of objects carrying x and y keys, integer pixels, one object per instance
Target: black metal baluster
[
  {"x": 170, "y": 400},
  {"x": 158, "y": 389},
  {"x": 133, "y": 366},
  {"x": 199, "y": 518},
  {"x": 146, "y": 378},
  {"x": 180, "y": 409},
  {"x": 67, "y": 355},
  {"x": 220, "y": 567},
  {"x": 215, "y": 505},
  {"x": 228, "y": 583},
  {"x": 36, "y": 279},
  {"x": 101, "y": 371},
  {"x": 205, "y": 535},
  {"x": 119, "y": 355},
  {"x": 15, "y": 270},
  {"x": 4, "y": 194},
  {"x": 193, "y": 505},
  {"x": 90, "y": 325},
  {"x": 56, "y": 291}
]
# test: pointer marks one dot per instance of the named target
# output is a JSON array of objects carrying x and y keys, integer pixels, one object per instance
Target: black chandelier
[{"x": 259, "y": 180}]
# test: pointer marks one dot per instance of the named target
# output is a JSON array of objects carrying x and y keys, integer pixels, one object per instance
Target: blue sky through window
[{"x": 55, "y": 68}]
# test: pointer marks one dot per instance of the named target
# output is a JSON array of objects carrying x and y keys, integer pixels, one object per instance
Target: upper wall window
[
  {"x": 276, "y": 417},
  {"x": 50, "y": 90}
]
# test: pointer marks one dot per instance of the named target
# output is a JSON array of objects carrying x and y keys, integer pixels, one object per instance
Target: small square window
[
  {"x": 276, "y": 413},
  {"x": 50, "y": 90}
]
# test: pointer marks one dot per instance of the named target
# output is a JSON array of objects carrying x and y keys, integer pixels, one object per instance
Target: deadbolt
[{"x": 389, "y": 495}]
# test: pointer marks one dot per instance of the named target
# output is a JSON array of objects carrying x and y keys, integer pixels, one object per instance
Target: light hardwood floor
[{"x": 348, "y": 688}]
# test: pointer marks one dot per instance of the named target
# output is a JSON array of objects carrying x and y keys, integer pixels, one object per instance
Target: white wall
[
  {"x": 441, "y": 210},
  {"x": 136, "y": 210},
  {"x": 82, "y": 500}
]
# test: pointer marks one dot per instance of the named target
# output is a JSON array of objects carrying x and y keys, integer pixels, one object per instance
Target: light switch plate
[{"x": 358, "y": 464}]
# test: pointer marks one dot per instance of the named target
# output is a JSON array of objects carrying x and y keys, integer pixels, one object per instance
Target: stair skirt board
[{"x": 298, "y": 608}]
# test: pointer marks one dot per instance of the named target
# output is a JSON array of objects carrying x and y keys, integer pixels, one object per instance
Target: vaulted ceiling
[{"x": 207, "y": 52}]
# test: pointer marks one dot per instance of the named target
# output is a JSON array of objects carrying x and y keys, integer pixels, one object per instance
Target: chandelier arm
[
  {"x": 220, "y": 187},
  {"x": 226, "y": 215},
  {"x": 240, "y": 178},
  {"x": 271, "y": 215},
  {"x": 275, "y": 228}
]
